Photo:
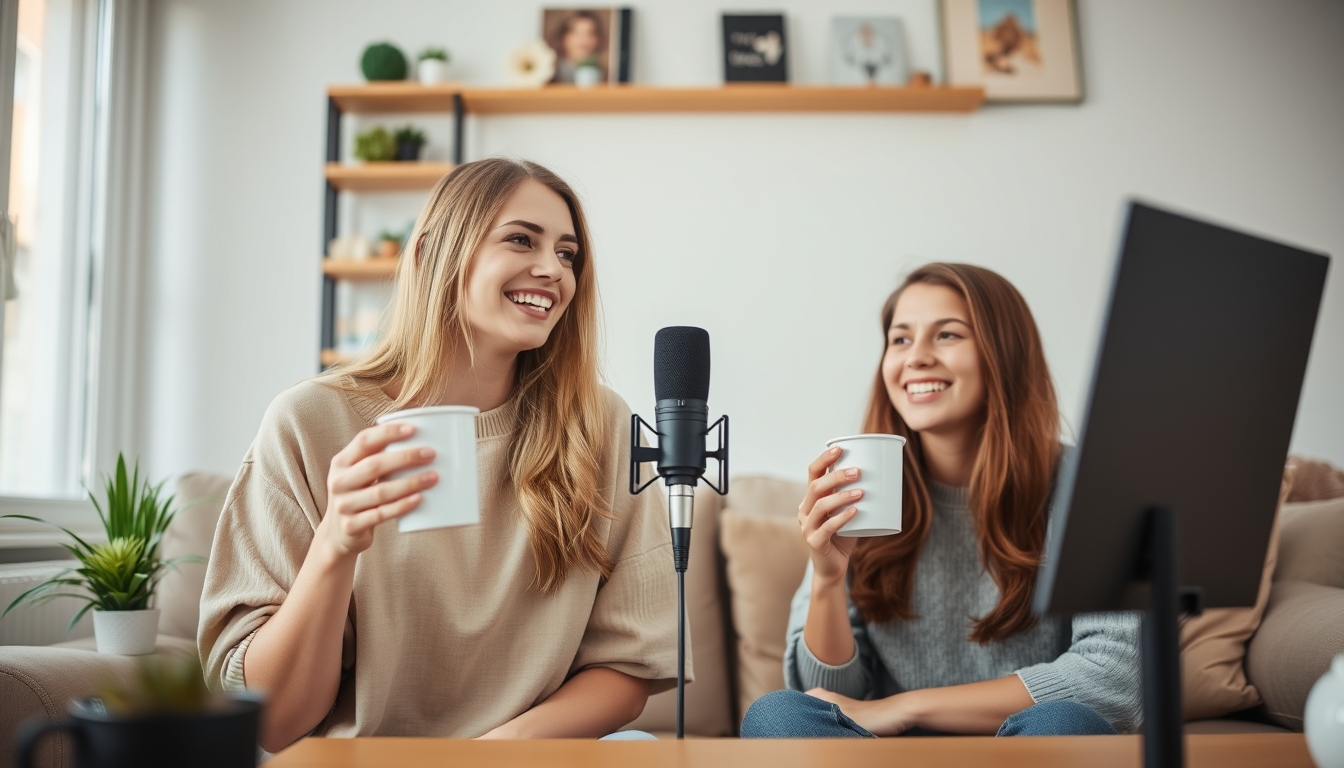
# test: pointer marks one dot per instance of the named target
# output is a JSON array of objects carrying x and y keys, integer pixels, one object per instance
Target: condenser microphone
[{"x": 681, "y": 387}]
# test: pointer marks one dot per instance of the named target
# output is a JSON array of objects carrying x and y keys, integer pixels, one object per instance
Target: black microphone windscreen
[{"x": 681, "y": 363}]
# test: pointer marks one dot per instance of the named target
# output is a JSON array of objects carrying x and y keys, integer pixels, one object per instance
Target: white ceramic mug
[
  {"x": 879, "y": 461},
  {"x": 451, "y": 431}
]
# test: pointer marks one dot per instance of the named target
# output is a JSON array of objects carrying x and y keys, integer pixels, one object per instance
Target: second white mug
[{"x": 451, "y": 431}]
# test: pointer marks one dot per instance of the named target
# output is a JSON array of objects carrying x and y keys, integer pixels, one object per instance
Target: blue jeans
[{"x": 795, "y": 715}]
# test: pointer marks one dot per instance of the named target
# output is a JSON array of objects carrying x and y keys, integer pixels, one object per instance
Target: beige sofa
[{"x": 746, "y": 561}]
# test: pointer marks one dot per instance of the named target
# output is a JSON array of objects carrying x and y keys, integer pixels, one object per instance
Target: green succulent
[
  {"x": 410, "y": 135},
  {"x": 434, "y": 53},
  {"x": 122, "y": 573},
  {"x": 390, "y": 236},
  {"x": 589, "y": 61},
  {"x": 383, "y": 61},
  {"x": 375, "y": 145}
]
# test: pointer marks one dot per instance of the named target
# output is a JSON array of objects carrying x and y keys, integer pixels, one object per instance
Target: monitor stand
[{"x": 1163, "y": 712}]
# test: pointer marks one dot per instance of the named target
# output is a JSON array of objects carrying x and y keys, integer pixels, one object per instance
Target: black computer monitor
[{"x": 1182, "y": 446}]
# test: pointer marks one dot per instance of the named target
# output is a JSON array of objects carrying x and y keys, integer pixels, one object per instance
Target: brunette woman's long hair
[
  {"x": 1014, "y": 465},
  {"x": 555, "y": 456}
]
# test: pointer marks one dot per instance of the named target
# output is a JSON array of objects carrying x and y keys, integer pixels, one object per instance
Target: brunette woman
[
  {"x": 549, "y": 618},
  {"x": 931, "y": 630}
]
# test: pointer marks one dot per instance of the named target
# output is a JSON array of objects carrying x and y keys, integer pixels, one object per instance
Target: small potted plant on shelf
[
  {"x": 375, "y": 145},
  {"x": 389, "y": 244},
  {"x": 383, "y": 61},
  {"x": 116, "y": 579},
  {"x": 432, "y": 66},
  {"x": 409, "y": 141},
  {"x": 588, "y": 72}
]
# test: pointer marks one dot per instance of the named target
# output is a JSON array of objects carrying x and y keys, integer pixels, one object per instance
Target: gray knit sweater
[{"x": 1092, "y": 659}]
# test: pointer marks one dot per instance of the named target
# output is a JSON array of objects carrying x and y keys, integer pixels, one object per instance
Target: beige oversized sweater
[{"x": 444, "y": 637}]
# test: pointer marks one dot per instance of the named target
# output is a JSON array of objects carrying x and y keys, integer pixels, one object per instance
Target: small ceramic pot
[
  {"x": 587, "y": 77},
  {"x": 431, "y": 71},
  {"x": 1323, "y": 719},
  {"x": 129, "y": 633},
  {"x": 388, "y": 249}
]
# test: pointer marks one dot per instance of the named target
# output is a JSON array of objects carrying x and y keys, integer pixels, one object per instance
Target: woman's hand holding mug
[
  {"x": 825, "y": 509},
  {"x": 357, "y": 502}
]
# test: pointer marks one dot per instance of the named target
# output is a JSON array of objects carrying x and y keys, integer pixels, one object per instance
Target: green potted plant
[
  {"x": 409, "y": 141},
  {"x": 432, "y": 66},
  {"x": 588, "y": 72},
  {"x": 383, "y": 61},
  {"x": 389, "y": 244},
  {"x": 165, "y": 716},
  {"x": 116, "y": 578},
  {"x": 375, "y": 145}
]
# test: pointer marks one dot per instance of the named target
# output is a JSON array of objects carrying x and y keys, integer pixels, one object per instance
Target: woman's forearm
[
  {"x": 591, "y": 704},
  {"x": 827, "y": 632},
  {"x": 973, "y": 708},
  {"x": 295, "y": 658}
]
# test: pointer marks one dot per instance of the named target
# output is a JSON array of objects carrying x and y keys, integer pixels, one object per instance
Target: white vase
[
  {"x": 1323, "y": 719},
  {"x": 129, "y": 633},
  {"x": 431, "y": 71},
  {"x": 587, "y": 77}
]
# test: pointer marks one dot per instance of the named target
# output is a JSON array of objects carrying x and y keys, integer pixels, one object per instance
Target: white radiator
[{"x": 42, "y": 624}]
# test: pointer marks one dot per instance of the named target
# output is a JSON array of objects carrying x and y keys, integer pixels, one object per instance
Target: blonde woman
[{"x": 551, "y": 618}]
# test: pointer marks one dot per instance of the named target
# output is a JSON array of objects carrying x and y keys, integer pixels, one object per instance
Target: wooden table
[{"x": 1286, "y": 750}]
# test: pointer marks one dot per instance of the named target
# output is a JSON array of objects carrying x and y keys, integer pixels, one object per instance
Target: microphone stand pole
[{"x": 680, "y": 506}]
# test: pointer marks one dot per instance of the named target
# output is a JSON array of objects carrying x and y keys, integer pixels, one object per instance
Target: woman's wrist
[{"x": 827, "y": 584}]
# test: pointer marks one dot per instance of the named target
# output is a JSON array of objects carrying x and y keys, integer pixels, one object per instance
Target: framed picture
[
  {"x": 590, "y": 44},
  {"x": 1019, "y": 50},
  {"x": 868, "y": 50},
  {"x": 754, "y": 49}
]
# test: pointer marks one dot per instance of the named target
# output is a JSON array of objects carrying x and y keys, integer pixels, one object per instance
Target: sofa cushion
[
  {"x": 708, "y": 708},
  {"x": 1311, "y": 547},
  {"x": 1213, "y": 644},
  {"x": 764, "y": 559},
  {"x": 199, "y": 499},
  {"x": 1302, "y": 631},
  {"x": 1315, "y": 480}
]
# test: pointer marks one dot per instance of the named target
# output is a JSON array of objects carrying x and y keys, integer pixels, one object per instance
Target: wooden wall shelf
[
  {"x": 383, "y": 177},
  {"x": 359, "y": 269},
  {"x": 411, "y": 97}
]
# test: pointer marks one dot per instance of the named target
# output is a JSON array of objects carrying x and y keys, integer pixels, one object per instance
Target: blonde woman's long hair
[{"x": 554, "y": 459}]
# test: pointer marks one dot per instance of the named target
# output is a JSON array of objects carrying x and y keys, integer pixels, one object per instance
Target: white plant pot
[
  {"x": 1323, "y": 720},
  {"x": 587, "y": 77},
  {"x": 129, "y": 633},
  {"x": 431, "y": 71}
]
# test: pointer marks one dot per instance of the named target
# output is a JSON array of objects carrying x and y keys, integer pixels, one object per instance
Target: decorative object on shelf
[
  {"x": 584, "y": 38},
  {"x": 375, "y": 145},
  {"x": 588, "y": 73},
  {"x": 532, "y": 64},
  {"x": 165, "y": 717},
  {"x": 754, "y": 49},
  {"x": 383, "y": 61},
  {"x": 1018, "y": 50},
  {"x": 116, "y": 578},
  {"x": 868, "y": 50},
  {"x": 358, "y": 315},
  {"x": 919, "y": 79},
  {"x": 409, "y": 141},
  {"x": 389, "y": 244},
  {"x": 350, "y": 247},
  {"x": 1323, "y": 719},
  {"x": 432, "y": 66}
]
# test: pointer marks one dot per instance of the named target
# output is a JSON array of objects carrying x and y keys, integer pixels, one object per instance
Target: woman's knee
[
  {"x": 1057, "y": 718},
  {"x": 775, "y": 715}
]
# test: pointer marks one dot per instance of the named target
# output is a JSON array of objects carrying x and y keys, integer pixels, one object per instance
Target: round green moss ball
[{"x": 383, "y": 61}]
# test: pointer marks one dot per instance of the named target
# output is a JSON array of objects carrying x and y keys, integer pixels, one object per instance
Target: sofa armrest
[
  {"x": 1302, "y": 631},
  {"x": 41, "y": 681}
]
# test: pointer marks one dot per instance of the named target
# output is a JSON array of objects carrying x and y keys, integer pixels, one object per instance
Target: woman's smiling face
[
  {"x": 521, "y": 278},
  {"x": 932, "y": 364}
]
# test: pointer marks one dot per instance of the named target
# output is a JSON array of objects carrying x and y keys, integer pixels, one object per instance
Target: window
[{"x": 74, "y": 133}]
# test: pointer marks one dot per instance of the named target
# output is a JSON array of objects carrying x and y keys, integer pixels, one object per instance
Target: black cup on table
[{"x": 223, "y": 736}]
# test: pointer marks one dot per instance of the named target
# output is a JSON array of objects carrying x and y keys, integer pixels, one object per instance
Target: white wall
[{"x": 793, "y": 228}]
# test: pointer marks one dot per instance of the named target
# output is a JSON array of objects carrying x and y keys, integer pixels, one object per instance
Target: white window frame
[{"x": 110, "y": 182}]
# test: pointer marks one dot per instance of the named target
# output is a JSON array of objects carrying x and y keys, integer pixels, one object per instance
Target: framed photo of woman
[
  {"x": 1018, "y": 50},
  {"x": 592, "y": 45}
]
